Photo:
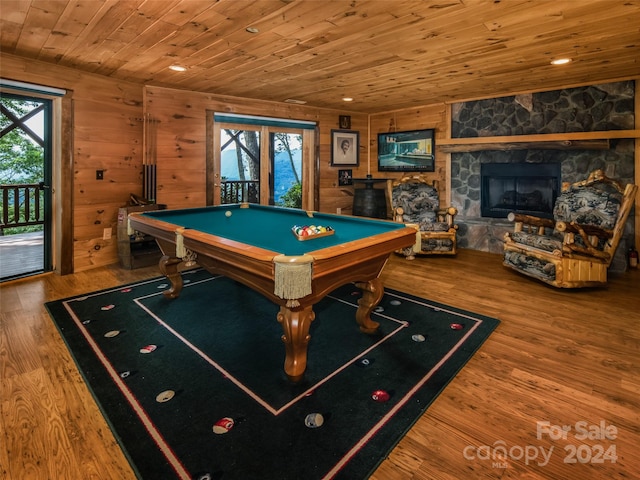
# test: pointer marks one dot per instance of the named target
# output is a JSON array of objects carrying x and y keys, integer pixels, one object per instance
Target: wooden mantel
[{"x": 556, "y": 141}]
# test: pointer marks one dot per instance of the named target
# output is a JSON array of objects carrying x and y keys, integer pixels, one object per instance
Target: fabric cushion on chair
[
  {"x": 434, "y": 227},
  {"x": 417, "y": 199},
  {"x": 421, "y": 218},
  {"x": 436, "y": 245},
  {"x": 548, "y": 243},
  {"x": 419, "y": 202},
  {"x": 596, "y": 205},
  {"x": 531, "y": 265}
]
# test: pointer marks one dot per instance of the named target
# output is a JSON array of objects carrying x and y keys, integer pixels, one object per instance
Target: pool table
[{"x": 255, "y": 245}]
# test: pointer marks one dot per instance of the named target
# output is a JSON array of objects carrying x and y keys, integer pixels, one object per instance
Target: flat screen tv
[{"x": 410, "y": 151}]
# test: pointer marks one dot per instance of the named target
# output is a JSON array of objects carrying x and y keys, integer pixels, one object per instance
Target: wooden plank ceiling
[{"x": 385, "y": 54}]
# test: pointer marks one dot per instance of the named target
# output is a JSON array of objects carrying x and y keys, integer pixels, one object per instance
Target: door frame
[
  {"x": 213, "y": 160},
  {"x": 61, "y": 204}
]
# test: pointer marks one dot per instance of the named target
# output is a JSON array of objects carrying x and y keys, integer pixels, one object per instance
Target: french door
[
  {"x": 240, "y": 173},
  {"x": 285, "y": 179},
  {"x": 265, "y": 164}
]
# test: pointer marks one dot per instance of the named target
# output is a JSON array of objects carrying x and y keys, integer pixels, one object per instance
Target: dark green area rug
[{"x": 170, "y": 375}]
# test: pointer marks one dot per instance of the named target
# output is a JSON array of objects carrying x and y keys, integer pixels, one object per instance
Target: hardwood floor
[{"x": 562, "y": 357}]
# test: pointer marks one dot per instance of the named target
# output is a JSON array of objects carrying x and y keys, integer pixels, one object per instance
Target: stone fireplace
[
  {"x": 526, "y": 188},
  {"x": 583, "y": 109},
  {"x": 479, "y": 232}
]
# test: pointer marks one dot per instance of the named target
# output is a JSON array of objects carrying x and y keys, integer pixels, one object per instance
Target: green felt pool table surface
[{"x": 270, "y": 227}]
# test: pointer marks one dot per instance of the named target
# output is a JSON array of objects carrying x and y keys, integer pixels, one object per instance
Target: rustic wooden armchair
[
  {"x": 576, "y": 247},
  {"x": 415, "y": 201}
]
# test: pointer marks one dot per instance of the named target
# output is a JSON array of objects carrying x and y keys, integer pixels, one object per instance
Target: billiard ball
[{"x": 227, "y": 213}]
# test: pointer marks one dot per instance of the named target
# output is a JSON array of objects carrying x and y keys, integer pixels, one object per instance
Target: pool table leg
[
  {"x": 295, "y": 324},
  {"x": 169, "y": 268},
  {"x": 372, "y": 292}
]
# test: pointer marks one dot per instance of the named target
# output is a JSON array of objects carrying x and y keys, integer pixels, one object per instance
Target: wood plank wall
[
  {"x": 637, "y": 164},
  {"x": 429, "y": 116},
  {"x": 180, "y": 118},
  {"x": 108, "y": 135}
]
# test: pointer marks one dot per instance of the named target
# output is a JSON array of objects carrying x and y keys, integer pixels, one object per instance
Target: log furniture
[
  {"x": 576, "y": 247},
  {"x": 415, "y": 201}
]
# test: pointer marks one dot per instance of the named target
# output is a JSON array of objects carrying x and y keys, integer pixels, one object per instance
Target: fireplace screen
[{"x": 525, "y": 188}]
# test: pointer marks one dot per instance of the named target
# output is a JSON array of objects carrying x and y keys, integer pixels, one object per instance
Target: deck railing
[
  {"x": 239, "y": 191},
  {"x": 21, "y": 205}
]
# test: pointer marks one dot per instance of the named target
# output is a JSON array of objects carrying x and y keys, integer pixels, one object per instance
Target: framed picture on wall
[
  {"x": 345, "y": 177},
  {"x": 345, "y": 147},
  {"x": 344, "y": 121}
]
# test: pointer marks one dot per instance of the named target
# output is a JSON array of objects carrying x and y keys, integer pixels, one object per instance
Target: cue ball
[{"x": 227, "y": 213}]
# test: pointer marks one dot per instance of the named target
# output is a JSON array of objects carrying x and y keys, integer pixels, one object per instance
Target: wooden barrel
[{"x": 370, "y": 202}]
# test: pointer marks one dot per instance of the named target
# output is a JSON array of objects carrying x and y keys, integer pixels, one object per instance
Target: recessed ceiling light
[
  {"x": 178, "y": 68},
  {"x": 347, "y": 99},
  {"x": 295, "y": 101},
  {"x": 252, "y": 30},
  {"x": 561, "y": 61}
]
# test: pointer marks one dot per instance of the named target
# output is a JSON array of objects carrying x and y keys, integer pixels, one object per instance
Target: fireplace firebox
[{"x": 526, "y": 188}]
